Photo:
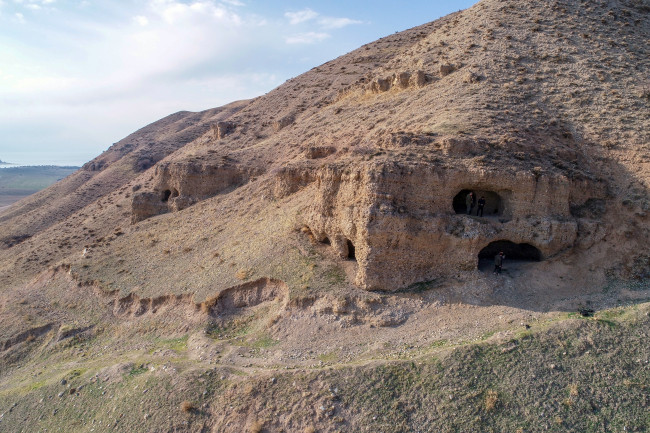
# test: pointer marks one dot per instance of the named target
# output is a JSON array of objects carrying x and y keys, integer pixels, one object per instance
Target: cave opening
[
  {"x": 169, "y": 193},
  {"x": 493, "y": 202},
  {"x": 351, "y": 251},
  {"x": 514, "y": 253}
]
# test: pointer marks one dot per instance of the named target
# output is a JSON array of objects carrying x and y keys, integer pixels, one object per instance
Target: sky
[{"x": 79, "y": 75}]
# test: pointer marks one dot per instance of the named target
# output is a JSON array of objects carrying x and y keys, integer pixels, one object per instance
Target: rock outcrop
[
  {"x": 180, "y": 185},
  {"x": 404, "y": 226}
]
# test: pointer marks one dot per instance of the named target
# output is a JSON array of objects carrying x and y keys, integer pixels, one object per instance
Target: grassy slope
[{"x": 576, "y": 374}]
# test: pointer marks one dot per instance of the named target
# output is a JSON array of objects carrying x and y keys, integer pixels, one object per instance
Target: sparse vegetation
[{"x": 187, "y": 406}]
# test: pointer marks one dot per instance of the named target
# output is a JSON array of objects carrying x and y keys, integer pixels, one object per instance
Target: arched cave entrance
[
  {"x": 352, "y": 255},
  {"x": 493, "y": 203},
  {"x": 169, "y": 193},
  {"x": 514, "y": 254}
]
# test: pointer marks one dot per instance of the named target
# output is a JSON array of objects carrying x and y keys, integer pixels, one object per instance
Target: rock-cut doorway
[
  {"x": 493, "y": 203},
  {"x": 516, "y": 255}
]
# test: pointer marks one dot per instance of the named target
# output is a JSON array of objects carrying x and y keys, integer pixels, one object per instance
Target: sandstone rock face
[
  {"x": 283, "y": 123},
  {"x": 145, "y": 205},
  {"x": 404, "y": 228},
  {"x": 399, "y": 80},
  {"x": 221, "y": 129},
  {"x": 180, "y": 185},
  {"x": 290, "y": 179}
]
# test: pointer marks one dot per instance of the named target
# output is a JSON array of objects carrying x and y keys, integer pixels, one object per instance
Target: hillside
[{"x": 316, "y": 238}]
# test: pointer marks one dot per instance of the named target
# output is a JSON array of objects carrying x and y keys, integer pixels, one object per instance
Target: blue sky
[{"x": 79, "y": 75}]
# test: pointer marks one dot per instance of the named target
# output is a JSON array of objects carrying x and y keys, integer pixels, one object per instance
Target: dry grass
[
  {"x": 256, "y": 427},
  {"x": 243, "y": 274},
  {"x": 187, "y": 406},
  {"x": 491, "y": 400}
]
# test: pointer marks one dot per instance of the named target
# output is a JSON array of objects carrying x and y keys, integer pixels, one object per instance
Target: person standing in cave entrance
[
  {"x": 498, "y": 262},
  {"x": 469, "y": 202},
  {"x": 481, "y": 205}
]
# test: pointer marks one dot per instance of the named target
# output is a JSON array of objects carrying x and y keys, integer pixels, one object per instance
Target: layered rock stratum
[{"x": 332, "y": 210}]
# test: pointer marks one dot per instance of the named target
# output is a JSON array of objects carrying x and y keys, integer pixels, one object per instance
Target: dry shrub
[
  {"x": 187, "y": 406},
  {"x": 30, "y": 337},
  {"x": 491, "y": 400},
  {"x": 573, "y": 389},
  {"x": 256, "y": 427},
  {"x": 242, "y": 274},
  {"x": 249, "y": 389}
]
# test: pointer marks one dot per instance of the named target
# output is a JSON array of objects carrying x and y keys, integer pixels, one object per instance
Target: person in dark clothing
[
  {"x": 481, "y": 205},
  {"x": 498, "y": 262}
]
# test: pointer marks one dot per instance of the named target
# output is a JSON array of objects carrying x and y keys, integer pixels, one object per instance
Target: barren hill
[{"x": 325, "y": 223}]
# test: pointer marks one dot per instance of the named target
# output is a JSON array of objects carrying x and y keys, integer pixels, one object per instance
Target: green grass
[
  {"x": 137, "y": 370},
  {"x": 482, "y": 387},
  {"x": 264, "y": 342},
  {"x": 328, "y": 357},
  {"x": 28, "y": 180},
  {"x": 232, "y": 329},
  {"x": 178, "y": 345},
  {"x": 335, "y": 275}
]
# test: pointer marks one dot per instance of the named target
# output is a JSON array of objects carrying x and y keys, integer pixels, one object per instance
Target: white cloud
[
  {"x": 337, "y": 23},
  {"x": 19, "y": 17},
  {"x": 301, "y": 16},
  {"x": 111, "y": 68},
  {"x": 174, "y": 12},
  {"x": 141, "y": 20},
  {"x": 306, "y": 38}
]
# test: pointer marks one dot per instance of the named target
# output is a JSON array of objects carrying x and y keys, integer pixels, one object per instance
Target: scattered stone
[{"x": 446, "y": 69}]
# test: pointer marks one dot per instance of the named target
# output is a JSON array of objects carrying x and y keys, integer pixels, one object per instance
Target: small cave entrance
[
  {"x": 352, "y": 255},
  {"x": 514, "y": 254},
  {"x": 326, "y": 241},
  {"x": 493, "y": 203},
  {"x": 169, "y": 193}
]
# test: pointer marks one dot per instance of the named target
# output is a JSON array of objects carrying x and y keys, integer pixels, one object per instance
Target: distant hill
[{"x": 28, "y": 180}]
